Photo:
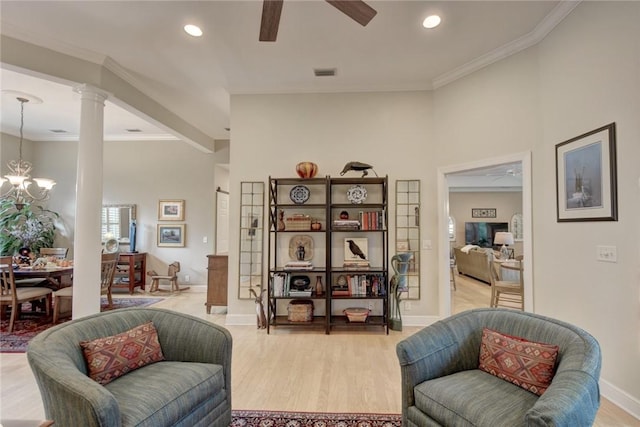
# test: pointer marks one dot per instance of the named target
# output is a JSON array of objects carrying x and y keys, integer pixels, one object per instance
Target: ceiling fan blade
[
  {"x": 357, "y": 10},
  {"x": 271, "y": 10}
]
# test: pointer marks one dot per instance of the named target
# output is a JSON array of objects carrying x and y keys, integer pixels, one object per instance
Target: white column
[{"x": 87, "y": 243}]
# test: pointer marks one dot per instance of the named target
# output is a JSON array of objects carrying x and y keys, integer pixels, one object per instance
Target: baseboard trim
[
  {"x": 620, "y": 398},
  {"x": 419, "y": 320}
]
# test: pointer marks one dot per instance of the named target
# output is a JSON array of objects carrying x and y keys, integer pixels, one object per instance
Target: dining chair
[
  {"x": 507, "y": 291},
  {"x": 14, "y": 296},
  {"x": 172, "y": 277},
  {"x": 60, "y": 253},
  {"x": 107, "y": 272}
]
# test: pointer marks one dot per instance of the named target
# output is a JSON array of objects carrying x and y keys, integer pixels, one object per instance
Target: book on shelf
[
  {"x": 372, "y": 220},
  {"x": 293, "y": 293},
  {"x": 298, "y": 265}
]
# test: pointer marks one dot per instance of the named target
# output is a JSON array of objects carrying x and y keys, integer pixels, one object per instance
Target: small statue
[
  {"x": 357, "y": 166},
  {"x": 261, "y": 318},
  {"x": 300, "y": 253}
]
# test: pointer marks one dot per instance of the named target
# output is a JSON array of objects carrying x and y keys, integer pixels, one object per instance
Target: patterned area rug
[
  {"x": 312, "y": 419},
  {"x": 31, "y": 325}
]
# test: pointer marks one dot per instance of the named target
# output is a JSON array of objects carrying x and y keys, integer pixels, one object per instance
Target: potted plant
[{"x": 31, "y": 227}]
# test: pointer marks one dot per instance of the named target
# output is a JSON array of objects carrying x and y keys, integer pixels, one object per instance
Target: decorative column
[{"x": 87, "y": 240}]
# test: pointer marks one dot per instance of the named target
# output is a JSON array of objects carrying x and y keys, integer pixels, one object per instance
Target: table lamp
[{"x": 505, "y": 239}]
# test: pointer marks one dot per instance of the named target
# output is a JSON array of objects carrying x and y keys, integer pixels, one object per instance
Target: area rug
[
  {"x": 31, "y": 325},
  {"x": 312, "y": 419}
]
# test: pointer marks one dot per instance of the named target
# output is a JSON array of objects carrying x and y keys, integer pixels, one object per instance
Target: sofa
[
  {"x": 475, "y": 262},
  {"x": 443, "y": 385},
  {"x": 191, "y": 387}
]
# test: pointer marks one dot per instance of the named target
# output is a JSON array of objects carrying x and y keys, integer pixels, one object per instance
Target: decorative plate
[
  {"x": 357, "y": 194},
  {"x": 299, "y": 194}
]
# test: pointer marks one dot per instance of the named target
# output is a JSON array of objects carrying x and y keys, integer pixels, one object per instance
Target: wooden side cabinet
[
  {"x": 131, "y": 271},
  {"x": 217, "y": 281}
]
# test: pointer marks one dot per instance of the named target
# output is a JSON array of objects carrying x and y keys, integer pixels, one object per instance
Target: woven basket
[
  {"x": 357, "y": 314},
  {"x": 300, "y": 310},
  {"x": 298, "y": 223}
]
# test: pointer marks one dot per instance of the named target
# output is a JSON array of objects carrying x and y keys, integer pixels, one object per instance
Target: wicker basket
[
  {"x": 298, "y": 223},
  {"x": 300, "y": 310},
  {"x": 357, "y": 314}
]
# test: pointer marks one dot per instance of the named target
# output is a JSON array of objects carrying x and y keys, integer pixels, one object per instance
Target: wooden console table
[
  {"x": 217, "y": 281},
  {"x": 131, "y": 271}
]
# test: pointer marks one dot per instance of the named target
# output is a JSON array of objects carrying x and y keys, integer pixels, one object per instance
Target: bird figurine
[
  {"x": 357, "y": 166},
  {"x": 355, "y": 249}
]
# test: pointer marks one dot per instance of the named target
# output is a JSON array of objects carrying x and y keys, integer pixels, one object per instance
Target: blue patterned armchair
[
  {"x": 442, "y": 385},
  {"x": 191, "y": 387}
]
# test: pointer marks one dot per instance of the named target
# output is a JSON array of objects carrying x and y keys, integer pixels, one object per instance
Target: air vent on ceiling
[
  {"x": 133, "y": 130},
  {"x": 57, "y": 130},
  {"x": 324, "y": 72}
]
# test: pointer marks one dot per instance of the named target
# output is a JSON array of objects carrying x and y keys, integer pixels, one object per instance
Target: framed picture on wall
[
  {"x": 171, "y": 235},
  {"x": 586, "y": 183},
  {"x": 483, "y": 213},
  {"x": 171, "y": 210}
]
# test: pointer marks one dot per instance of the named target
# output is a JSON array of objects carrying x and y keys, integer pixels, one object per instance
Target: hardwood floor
[{"x": 289, "y": 370}]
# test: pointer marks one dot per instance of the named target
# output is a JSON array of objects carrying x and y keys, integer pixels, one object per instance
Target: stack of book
[
  {"x": 298, "y": 265},
  {"x": 346, "y": 224},
  {"x": 356, "y": 265}
]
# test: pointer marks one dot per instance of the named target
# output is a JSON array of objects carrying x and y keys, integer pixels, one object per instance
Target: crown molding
[{"x": 532, "y": 38}]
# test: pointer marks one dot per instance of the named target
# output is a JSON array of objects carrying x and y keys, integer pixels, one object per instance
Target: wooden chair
[
  {"x": 506, "y": 291},
  {"x": 15, "y": 296},
  {"x": 172, "y": 277},
  {"x": 107, "y": 272},
  {"x": 60, "y": 253}
]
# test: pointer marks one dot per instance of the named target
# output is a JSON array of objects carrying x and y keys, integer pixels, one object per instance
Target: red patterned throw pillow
[
  {"x": 530, "y": 365},
  {"x": 111, "y": 357}
]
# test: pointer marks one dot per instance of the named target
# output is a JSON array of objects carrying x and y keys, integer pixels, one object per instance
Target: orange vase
[{"x": 306, "y": 169}]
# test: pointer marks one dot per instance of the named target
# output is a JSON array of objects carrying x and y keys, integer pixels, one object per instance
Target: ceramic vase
[{"x": 306, "y": 169}]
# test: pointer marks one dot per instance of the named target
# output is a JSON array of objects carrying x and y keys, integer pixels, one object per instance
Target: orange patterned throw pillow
[
  {"x": 527, "y": 364},
  {"x": 111, "y": 357}
]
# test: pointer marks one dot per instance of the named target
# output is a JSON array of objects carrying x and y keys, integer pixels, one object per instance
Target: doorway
[{"x": 494, "y": 169}]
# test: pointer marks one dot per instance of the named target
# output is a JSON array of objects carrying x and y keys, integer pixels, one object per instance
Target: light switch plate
[{"x": 607, "y": 253}]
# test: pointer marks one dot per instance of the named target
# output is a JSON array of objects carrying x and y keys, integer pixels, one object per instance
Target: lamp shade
[{"x": 503, "y": 238}]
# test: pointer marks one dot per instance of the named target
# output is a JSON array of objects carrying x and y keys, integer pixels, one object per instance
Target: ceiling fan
[
  {"x": 511, "y": 172},
  {"x": 357, "y": 10}
]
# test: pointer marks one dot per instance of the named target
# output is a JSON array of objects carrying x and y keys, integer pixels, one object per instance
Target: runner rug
[
  {"x": 312, "y": 419},
  {"x": 30, "y": 325}
]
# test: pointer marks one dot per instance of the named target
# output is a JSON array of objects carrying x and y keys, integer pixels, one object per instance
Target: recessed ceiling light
[
  {"x": 431, "y": 21},
  {"x": 193, "y": 30}
]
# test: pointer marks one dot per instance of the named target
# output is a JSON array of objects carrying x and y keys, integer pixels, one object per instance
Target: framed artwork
[
  {"x": 171, "y": 210},
  {"x": 586, "y": 182},
  {"x": 483, "y": 213},
  {"x": 356, "y": 250},
  {"x": 171, "y": 235}
]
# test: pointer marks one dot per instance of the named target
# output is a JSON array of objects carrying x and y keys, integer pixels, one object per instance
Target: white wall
[
  {"x": 585, "y": 74},
  {"x": 391, "y": 131},
  {"x": 143, "y": 173},
  {"x": 589, "y": 77}
]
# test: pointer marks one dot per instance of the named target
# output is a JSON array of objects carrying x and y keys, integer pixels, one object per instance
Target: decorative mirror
[
  {"x": 408, "y": 233},
  {"x": 251, "y": 238},
  {"x": 516, "y": 226},
  {"x": 116, "y": 222}
]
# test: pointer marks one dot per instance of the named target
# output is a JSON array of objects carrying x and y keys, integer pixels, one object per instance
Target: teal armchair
[
  {"x": 191, "y": 387},
  {"x": 442, "y": 385}
]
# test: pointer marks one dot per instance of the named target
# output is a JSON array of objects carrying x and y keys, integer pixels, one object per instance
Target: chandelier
[{"x": 23, "y": 189}]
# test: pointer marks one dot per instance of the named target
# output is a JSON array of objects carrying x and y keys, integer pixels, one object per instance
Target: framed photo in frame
[
  {"x": 171, "y": 210},
  {"x": 586, "y": 182},
  {"x": 171, "y": 235}
]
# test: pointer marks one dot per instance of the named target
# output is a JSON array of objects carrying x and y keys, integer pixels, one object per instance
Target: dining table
[{"x": 53, "y": 277}]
